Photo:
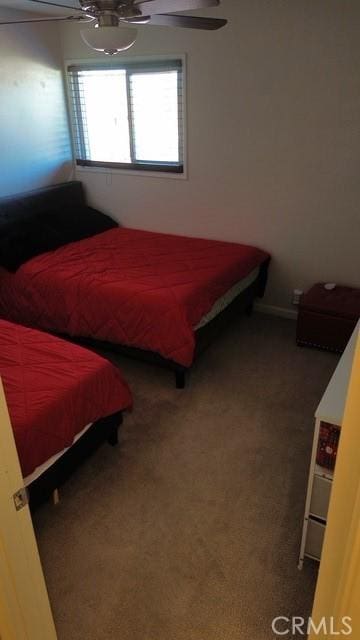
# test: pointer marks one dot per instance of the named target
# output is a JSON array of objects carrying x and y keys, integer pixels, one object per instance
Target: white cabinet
[{"x": 330, "y": 411}]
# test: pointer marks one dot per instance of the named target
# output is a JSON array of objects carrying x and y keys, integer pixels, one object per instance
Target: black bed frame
[{"x": 104, "y": 429}]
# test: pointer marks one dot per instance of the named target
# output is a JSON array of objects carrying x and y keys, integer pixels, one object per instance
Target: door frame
[{"x": 25, "y": 612}]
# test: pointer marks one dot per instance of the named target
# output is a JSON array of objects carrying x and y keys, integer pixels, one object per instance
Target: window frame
[{"x": 138, "y": 168}]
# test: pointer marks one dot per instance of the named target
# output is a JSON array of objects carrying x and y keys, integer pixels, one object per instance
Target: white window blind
[{"x": 128, "y": 116}]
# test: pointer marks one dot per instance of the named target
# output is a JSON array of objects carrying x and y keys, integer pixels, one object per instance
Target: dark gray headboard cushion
[
  {"x": 44, "y": 220},
  {"x": 46, "y": 200}
]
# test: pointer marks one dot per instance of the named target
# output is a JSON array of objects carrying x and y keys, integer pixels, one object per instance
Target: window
[{"x": 128, "y": 116}]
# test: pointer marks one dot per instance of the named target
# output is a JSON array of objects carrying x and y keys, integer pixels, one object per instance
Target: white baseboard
[{"x": 272, "y": 310}]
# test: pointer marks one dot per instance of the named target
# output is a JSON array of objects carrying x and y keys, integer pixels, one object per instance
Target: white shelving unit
[{"x": 330, "y": 410}]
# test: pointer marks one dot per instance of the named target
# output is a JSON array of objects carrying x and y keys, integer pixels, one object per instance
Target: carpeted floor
[{"x": 190, "y": 529}]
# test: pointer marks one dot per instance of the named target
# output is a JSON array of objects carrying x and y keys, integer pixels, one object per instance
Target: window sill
[{"x": 133, "y": 172}]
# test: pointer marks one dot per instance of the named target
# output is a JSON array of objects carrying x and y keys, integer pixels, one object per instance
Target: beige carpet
[{"x": 190, "y": 529}]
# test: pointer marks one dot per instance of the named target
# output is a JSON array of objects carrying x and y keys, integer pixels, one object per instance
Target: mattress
[
  {"x": 228, "y": 298},
  {"x": 128, "y": 287},
  {"x": 42, "y": 468},
  {"x": 53, "y": 388}
]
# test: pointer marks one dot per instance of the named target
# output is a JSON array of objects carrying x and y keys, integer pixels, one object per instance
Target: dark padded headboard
[
  {"x": 26, "y": 205},
  {"x": 43, "y": 220}
]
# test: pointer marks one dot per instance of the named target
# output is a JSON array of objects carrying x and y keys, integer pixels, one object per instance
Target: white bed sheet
[
  {"x": 228, "y": 298},
  {"x": 46, "y": 465}
]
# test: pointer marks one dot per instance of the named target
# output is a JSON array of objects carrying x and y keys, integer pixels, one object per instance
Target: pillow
[
  {"x": 78, "y": 223},
  {"x": 42, "y": 232}
]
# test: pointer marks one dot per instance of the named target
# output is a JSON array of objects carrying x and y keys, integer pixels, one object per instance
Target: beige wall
[
  {"x": 34, "y": 139},
  {"x": 273, "y": 139}
]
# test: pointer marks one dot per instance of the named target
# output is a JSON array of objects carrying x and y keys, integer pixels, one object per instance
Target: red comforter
[
  {"x": 130, "y": 287},
  {"x": 53, "y": 390}
]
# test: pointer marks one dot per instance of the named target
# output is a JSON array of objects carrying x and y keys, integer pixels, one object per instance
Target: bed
[
  {"x": 63, "y": 400},
  {"x": 156, "y": 296}
]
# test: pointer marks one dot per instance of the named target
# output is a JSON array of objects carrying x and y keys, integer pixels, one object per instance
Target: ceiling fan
[{"x": 113, "y": 20}]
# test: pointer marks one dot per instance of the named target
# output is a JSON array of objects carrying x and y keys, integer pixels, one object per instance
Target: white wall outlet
[{"x": 297, "y": 293}]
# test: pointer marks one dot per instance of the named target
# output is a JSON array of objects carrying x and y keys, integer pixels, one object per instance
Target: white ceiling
[{"x": 34, "y": 7}]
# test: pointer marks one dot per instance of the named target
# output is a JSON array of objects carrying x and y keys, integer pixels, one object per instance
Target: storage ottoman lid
[{"x": 341, "y": 301}]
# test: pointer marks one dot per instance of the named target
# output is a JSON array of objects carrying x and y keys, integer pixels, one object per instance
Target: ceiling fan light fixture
[{"x": 109, "y": 39}]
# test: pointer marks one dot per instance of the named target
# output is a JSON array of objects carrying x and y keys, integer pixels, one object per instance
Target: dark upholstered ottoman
[{"x": 327, "y": 318}]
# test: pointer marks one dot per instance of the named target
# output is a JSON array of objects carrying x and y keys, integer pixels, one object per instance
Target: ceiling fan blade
[
  {"x": 55, "y": 19},
  {"x": 151, "y": 7},
  {"x": 52, "y": 4},
  {"x": 189, "y": 22}
]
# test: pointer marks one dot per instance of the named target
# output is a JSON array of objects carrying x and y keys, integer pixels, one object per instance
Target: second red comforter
[{"x": 53, "y": 390}]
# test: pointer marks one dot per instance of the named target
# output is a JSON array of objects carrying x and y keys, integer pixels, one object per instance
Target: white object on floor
[{"x": 329, "y": 286}]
